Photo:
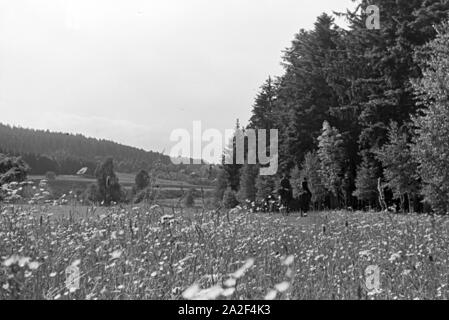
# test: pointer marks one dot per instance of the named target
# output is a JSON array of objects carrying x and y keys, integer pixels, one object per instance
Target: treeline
[
  {"x": 41, "y": 164},
  {"x": 62, "y": 153},
  {"x": 355, "y": 111},
  {"x": 41, "y": 147}
]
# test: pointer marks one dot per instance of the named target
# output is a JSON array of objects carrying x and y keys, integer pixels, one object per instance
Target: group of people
[
  {"x": 287, "y": 200},
  {"x": 284, "y": 200}
]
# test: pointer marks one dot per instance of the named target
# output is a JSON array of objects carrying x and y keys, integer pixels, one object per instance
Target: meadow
[
  {"x": 63, "y": 184},
  {"x": 144, "y": 253}
]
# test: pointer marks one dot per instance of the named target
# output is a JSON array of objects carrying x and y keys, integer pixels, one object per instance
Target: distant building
[{"x": 82, "y": 171}]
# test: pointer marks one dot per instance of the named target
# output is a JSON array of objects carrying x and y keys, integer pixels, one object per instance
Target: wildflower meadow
[{"x": 125, "y": 252}]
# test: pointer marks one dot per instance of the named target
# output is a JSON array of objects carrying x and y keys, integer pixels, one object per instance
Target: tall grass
[{"x": 138, "y": 253}]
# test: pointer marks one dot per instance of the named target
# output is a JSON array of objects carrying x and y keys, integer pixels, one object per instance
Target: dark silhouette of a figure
[
  {"x": 306, "y": 196},
  {"x": 286, "y": 192}
]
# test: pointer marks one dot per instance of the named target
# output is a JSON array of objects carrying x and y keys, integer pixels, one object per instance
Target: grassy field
[
  {"x": 126, "y": 179},
  {"x": 64, "y": 184},
  {"x": 137, "y": 253}
]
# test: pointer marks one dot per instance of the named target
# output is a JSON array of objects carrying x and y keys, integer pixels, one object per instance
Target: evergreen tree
[
  {"x": 400, "y": 168},
  {"x": 248, "y": 178},
  {"x": 371, "y": 69},
  {"x": 142, "y": 180},
  {"x": 296, "y": 179},
  {"x": 263, "y": 108},
  {"x": 304, "y": 98},
  {"x": 333, "y": 160},
  {"x": 229, "y": 162},
  {"x": 431, "y": 144},
  {"x": 109, "y": 189},
  {"x": 367, "y": 180},
  {"x": 311, "y": 170}
]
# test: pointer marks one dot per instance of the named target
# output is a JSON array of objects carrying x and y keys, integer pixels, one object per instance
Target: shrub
[
  {"x": 142, "y": 180},
  {"x": 230, "y": 199},
  {"x": 50, "y": 176},
  {"x": 189, "y": 199},
  {"x": 147, "y": 194},
  {"x": 12, "y": 169},
  {"x": 109, "y": 188},
  {"x": 91, "y": 194}
]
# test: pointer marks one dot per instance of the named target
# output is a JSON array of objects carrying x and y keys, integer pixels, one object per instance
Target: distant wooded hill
[{"x": 66, "y": 153}]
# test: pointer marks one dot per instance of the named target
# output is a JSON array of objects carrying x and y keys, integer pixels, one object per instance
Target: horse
[
  {"x": 285, "y": 197},
  {"x": 288, "y": 203},
  {"x": 304, "y": 200}
]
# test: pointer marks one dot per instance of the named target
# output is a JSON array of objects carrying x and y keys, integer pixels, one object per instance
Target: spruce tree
[
  {"x": 431, "y": 144},
  {"x": 230, "y": 159},
  {"x": 367, "y": 180},
  {"x": 333, "y": 160},
  {"x": 311, "y": 170}
]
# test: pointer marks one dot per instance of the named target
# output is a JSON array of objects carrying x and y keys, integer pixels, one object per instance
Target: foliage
[
  {"x": 12, "y": 169},
  {"x": 296, "y": 179},
  {"x": 356, "y": 79},
  {"x": 230, "y": 199},
  {"x": 431, "y": 144},
  {"x": 92, "y": 194},
  {"x": 189, "y": 199},
  {"x": 221, "y": 184},
  {"x": 108, "y": 184},
  {"x": 148, "y": 195},
  {"x": 230, "y": 160},
  {"x": 50, "y": 176},
  {"x": 311, "y": 169},
  {"x": 332, "y": 159},
  {"x": 248, "y": 178},
  {"x": 265, "y": 186},
  {"x": 367, "y": 181},
  {"x": 142, "y": 180},
  {"x": 400, "y": 168}
]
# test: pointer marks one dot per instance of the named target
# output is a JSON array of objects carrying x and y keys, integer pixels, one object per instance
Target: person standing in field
[
  {"x": 286, "y": 192},
  {"x": 306, "y": 196}
]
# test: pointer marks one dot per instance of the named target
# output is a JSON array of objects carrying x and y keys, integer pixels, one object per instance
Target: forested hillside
[
  {"x": 64, "y": 153},
  {"x": 345, "y": 103},
  {"x": 71, "y": 151}
]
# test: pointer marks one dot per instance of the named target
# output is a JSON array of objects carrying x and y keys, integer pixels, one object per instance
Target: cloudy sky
[{"x": 134, "y": 70}]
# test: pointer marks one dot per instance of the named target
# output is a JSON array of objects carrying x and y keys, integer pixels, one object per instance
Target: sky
[{"x": 132, "y": 71}]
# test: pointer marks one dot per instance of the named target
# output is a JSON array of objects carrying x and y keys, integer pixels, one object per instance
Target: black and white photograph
[{"x": 223, "y": 156}]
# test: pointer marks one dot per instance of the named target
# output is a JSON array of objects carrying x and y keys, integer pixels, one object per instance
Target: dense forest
[{"x": 354, "y": 110}]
